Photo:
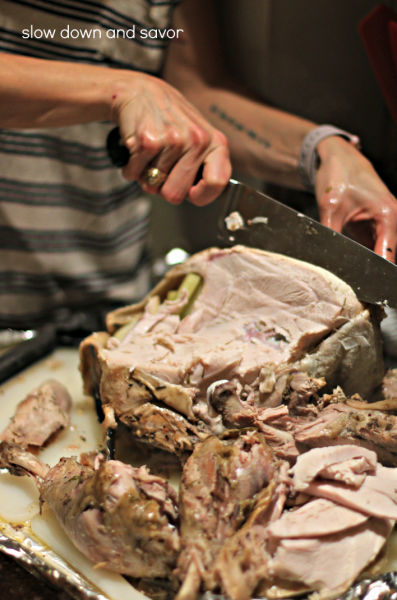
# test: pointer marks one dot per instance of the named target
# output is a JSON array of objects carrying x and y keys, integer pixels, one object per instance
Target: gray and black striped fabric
[{"x": 72, "y": 231}]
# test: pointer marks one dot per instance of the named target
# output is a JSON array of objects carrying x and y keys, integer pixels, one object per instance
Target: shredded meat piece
[
  {"x": 339, "y": 424},
  {"x": 242, "y": 564},
  {"x": 120, "y": 517},
  {"x": 219, "y": 484},
  {"x": 41, "y": 414}
]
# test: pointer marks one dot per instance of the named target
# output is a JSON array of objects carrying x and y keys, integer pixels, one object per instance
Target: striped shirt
[{"x": 72, "y": 231}]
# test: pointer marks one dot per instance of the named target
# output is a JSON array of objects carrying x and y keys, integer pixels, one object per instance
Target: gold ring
[{"x": 155, "y": 177}]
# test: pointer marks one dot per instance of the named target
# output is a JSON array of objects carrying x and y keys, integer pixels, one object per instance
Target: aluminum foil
[
  {"x": 381, "y": 587},
  {"x": 19, "y": 543}
]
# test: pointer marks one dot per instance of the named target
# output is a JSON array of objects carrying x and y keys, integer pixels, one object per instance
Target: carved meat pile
[
  {"x": 245, "y": 524},
  {"x": 251, "y": 367},
  {"x": 269, "y": 326}
]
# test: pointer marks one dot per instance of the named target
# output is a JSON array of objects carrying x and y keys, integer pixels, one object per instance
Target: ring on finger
[{"x": 154, "y": 176}]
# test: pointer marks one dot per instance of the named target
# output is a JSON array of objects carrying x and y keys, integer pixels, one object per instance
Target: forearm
[
  {"x": 264, "y": 142},
  {"x": 41, "y": 93}
]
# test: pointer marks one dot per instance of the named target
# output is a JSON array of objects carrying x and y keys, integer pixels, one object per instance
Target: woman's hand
[
  {"x": 162, "y": 129},
  {"x": 351, "y": 196}
]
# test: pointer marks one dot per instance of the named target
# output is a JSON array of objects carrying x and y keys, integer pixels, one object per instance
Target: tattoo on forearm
[{"x": 239, "y": 126}]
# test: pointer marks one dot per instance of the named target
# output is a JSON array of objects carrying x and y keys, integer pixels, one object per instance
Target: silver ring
[{"x": 155, "y": 177}]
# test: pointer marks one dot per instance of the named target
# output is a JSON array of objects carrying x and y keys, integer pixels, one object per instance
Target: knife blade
[{"x": 285, "y": 231}]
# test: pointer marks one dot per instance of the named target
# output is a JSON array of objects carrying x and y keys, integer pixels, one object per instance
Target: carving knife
[{"x": 269, "y": 225}]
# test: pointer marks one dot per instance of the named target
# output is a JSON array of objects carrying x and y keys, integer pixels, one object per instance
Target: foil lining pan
[
  {"x": 381, "y": 587},
  {"x": 40, "y": 561}
]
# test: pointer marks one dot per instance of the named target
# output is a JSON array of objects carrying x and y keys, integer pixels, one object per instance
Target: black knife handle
[{"x": 119, "y": 154}]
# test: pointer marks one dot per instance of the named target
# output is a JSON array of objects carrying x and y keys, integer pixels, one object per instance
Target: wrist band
[{"x": 308, "y": 156}]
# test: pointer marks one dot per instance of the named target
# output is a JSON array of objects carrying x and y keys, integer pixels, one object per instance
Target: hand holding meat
[
  {"x": 162, "y": 129},
  {"x": 350, "y": 195}
]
